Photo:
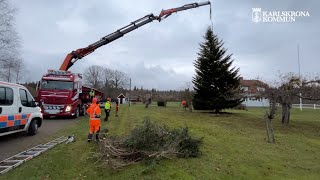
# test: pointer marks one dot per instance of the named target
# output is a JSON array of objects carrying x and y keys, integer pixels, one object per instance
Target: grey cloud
[{"x": 51, "y": 29}]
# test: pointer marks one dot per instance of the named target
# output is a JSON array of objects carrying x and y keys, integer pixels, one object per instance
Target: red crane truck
[{"x": 61, "y": 93}]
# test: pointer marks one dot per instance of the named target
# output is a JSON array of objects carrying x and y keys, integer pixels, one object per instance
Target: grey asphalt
[{"x": 16, "y": 143}]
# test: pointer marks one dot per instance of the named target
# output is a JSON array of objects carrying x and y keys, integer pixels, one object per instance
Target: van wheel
[
  {"x": 33, "y": 128},
  {"x": 77, "y": 113}
]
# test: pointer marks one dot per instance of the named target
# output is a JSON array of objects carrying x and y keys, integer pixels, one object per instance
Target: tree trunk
[
  {"x": 285, "y": 114},
  {"x": 17, "y": 79},
  {"x": 9, "y": 74},
  {"x": 116, "y": 81},
  {"x": 269, "y": 129},
  {"x": 190, "y": 106}
]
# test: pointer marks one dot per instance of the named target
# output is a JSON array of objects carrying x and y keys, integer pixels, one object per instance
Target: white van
[{"x": 18, "y": 110}]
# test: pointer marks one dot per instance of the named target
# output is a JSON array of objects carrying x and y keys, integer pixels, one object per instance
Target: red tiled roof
[
  {"x": 249, "y": 83},
  {"x": 252, "y": 85}
]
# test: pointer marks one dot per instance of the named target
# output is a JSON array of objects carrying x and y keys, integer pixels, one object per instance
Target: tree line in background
[
  {"x": 11, "y": 63},
  {"x": 140, "y": 94},
  {"x": 111, "y": 82}
]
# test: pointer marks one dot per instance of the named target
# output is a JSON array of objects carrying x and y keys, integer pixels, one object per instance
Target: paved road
[{"x": 15, "y": 143}]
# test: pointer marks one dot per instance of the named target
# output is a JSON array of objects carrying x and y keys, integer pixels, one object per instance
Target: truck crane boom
[{"x": 74, "y": 56}]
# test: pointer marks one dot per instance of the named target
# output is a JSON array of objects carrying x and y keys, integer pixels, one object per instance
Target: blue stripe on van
[
  {"x": 11, "y": 118},
  {"x": 3, "y": 124},
  {"x": 24, "y": 116},
  {"x": 17, "y": 122}
]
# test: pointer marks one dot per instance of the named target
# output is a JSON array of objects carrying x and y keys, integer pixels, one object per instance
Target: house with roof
[
  {"x": 252, "y": 91},
  {"x": 121, "y": 99}
]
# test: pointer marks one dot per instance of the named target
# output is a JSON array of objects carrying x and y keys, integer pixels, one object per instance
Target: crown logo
[
  {"x": 256, "y": 9},
  {"x": 256, "y": 15}
]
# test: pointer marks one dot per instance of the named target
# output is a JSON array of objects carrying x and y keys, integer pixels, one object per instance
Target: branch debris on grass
[{"x": 149, "y": 142}]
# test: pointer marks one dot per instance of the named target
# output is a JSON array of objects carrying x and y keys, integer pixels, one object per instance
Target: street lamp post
[
  {"x": 299, "y": 77},
  {"x": 129, "y": 93}
]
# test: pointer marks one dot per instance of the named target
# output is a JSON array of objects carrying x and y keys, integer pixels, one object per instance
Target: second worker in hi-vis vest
[
  {"x": 107, "y": 109},
  {"x": 95, "y": 114}
]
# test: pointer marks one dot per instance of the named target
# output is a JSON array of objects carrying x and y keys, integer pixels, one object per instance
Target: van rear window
[{"x": 6, "y": 96}]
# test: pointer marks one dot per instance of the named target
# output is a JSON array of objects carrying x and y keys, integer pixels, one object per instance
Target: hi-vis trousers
[{"x": 94, "y": 128}]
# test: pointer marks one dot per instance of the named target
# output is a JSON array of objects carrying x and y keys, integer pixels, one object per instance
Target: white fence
[
  {"x": 306, "y": 106},
  {"x": 256, "y": 103}
]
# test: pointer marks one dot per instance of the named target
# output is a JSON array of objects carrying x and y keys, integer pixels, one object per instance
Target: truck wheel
[
  {"x": 33, "y": 128},
  {"x": 77, "y": 113}
]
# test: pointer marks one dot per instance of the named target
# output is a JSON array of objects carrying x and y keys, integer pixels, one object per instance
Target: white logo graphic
[
  {"x": 277, "y": 16},
  {"x": 256, "y": 15}
]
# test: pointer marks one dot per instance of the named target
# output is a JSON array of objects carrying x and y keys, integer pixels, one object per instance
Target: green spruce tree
[{"x": 216, "y": 83}]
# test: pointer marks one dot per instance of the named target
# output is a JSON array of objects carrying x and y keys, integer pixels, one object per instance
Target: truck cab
[
  {"x": 18, "y": 110},
  {"x": 59, "y": 94}
]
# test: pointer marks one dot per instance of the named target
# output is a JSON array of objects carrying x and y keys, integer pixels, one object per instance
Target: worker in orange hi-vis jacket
[
  {"x": 184, "y": 104},
  {"x": 95, "y": 114}
]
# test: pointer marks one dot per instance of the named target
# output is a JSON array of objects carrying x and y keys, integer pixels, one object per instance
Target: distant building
[
  {"x": 252, "y": 91},
  {"x": 121, "y": 99},
  {"x": 135, "y": 98}
]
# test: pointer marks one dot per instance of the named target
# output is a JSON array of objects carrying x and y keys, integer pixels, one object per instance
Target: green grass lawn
[{"x": 234, "y": 147}]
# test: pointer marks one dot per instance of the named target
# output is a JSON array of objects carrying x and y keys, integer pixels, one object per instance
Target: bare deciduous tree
[
  {"x": 10, "y": 62},
  {"x": 290, "y": 88},
  {"x": 11, "y": 69},
  {"x": 93, "y": 76},
  {"x": 270, "y": 114},
  {"x": 293, "y": 86},
  {"x": 19, "y": 69},
  {"x": 105, "y": 78},
  {"x": 7, "y": 70},
  {"x": 108, "y": 77},
  {"x": 120, "y": 79}
]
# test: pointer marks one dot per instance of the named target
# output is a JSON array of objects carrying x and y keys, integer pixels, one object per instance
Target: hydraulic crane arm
[
  {"x": 165, "y": 13},
  {"x": 80, "y": 53},
  {"x": 72, "y": 57}
]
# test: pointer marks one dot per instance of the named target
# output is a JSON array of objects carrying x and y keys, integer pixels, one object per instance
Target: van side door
[{"x": 27, "y": 104}]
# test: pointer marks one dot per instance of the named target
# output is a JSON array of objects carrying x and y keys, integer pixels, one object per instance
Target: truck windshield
[{"x": 61, "y": 85}]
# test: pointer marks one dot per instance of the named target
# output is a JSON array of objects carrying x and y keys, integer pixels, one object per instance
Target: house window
[
  {"x": 260, "y": 89},
  {"x": 244, "y": 88}
]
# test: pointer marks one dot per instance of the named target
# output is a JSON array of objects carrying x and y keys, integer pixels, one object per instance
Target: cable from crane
[{"x": 211, "y": 16}]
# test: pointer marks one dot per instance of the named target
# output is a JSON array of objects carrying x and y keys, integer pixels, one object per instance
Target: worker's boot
[
  {"x": 89, "y": 137},
  {"x": 97, "y": 136}
]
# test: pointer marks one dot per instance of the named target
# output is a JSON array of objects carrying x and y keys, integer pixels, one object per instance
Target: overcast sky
[{"x": 161, "y": 55}]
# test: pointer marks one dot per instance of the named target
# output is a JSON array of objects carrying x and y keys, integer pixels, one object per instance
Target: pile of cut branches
[{"x": 149, "y": 142}]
